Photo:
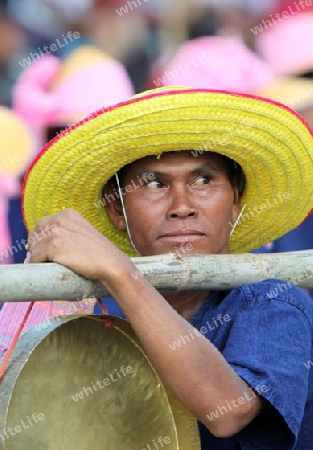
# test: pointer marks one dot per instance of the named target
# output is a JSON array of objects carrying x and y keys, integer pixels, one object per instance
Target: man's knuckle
[
  {"x": 58, "y": 221},
  {"x": 70, "y": 212}
]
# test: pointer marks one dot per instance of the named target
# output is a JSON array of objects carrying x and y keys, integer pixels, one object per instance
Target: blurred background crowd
[{"x": 61, "y": 60}]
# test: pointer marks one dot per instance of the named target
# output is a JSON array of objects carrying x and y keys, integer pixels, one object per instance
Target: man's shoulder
[
  {"x": 273, "y": 291},
  {"x": 272, "y": 299}
]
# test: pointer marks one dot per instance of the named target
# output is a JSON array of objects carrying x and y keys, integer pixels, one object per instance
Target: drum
[{"x": 76, "y": 383}]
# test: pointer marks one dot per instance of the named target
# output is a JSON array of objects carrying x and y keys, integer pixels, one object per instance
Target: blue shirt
[{"x": 264, "y": 331}]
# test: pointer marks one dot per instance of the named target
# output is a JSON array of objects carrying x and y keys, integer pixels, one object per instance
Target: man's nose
[{"x": 181, "y": 204}]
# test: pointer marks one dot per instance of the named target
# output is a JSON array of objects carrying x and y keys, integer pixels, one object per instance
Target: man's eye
[
  {"x": 155, "y": 184},
  {"x": 202, "y": 180}
]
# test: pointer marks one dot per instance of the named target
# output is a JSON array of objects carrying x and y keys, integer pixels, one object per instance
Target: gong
[{"x": 74, "y": 384}]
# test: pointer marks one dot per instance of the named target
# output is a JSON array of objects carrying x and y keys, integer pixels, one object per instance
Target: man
[
  {"x": 227, "y": 64},
  {"x": 180, "y": 183}
]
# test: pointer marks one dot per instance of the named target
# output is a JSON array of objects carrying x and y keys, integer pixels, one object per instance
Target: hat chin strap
[
  {"x": 237, "y": 221},
  {"x": 124, "y": 214}
]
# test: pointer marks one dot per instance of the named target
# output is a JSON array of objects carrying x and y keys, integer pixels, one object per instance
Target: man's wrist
[{"x": 118, "y": 274}]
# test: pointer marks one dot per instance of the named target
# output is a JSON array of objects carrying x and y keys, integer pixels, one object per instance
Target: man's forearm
[{"x": 197, "y": 372}]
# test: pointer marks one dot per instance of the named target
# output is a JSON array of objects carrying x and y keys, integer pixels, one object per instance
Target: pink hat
[
  {"x": 51, "y": 92},
  {"x": 216, "y": 63},
  {"x": 228, "y": 64},
  {"x": 287, "y": 45}
]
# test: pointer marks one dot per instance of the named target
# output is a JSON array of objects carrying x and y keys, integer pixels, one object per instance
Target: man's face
[{"x": 186, "y": 204}]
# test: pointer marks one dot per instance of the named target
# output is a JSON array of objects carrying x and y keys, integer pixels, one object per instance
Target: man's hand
[{"x": 69, "y": 239}]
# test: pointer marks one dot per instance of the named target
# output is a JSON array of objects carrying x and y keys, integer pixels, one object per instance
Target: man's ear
[
  {"x": 236, "y": 204},
  {"x": 113, "y": 206}
]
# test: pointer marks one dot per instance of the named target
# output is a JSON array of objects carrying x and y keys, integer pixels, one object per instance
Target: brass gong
[{"x": 74, "y": 384}]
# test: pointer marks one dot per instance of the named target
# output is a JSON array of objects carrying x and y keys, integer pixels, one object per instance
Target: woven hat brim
[{"x": 271, "y": 143}]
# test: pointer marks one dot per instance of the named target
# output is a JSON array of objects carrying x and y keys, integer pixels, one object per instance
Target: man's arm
[{"x": 197, "y": 373}]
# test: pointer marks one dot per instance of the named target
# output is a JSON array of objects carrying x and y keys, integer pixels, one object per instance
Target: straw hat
[{"x": 271, "y": 143}]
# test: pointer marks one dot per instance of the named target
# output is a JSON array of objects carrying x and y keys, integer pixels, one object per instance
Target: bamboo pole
[{"x": 171, "y": 272}]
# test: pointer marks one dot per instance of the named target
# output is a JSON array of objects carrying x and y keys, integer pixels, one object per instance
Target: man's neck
[{"x": 186, "y": 303}]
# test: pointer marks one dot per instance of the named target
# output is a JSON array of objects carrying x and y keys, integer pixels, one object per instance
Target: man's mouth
[{"x": 182, "y": 236}]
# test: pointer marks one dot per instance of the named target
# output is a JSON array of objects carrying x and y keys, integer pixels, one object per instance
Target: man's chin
[
  {"x": 201, "y": 246},
  {"x": 193, "y": 249},
  {"x": 187, "y": 248}
]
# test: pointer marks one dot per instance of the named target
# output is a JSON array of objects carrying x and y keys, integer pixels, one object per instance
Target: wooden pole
[{"x": 170, "y": 272}]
